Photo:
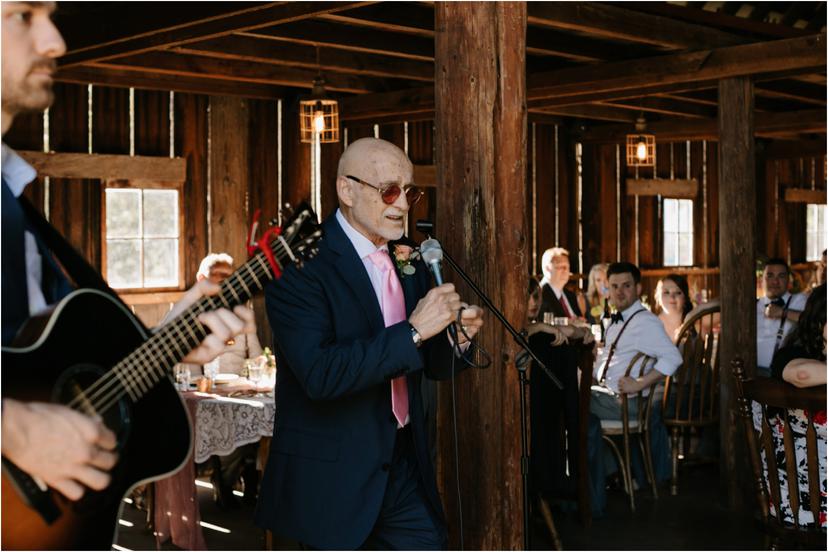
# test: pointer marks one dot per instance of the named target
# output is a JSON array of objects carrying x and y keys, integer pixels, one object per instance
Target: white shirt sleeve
[{"x": 652, "y": 340}]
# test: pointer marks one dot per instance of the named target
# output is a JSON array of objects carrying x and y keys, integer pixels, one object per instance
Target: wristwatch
[{"x": 415, "y": 336}]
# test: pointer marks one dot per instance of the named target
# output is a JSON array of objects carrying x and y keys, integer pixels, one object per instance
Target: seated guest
[
  {"x": 597, "y": 294},
  {"x": 554, "y": 298},
  {"x": 801, "y": 362},
  {"x": 672, "y": 297},
  {"x": 560, "y": 334},
  {"x": 818, "y": 277},
  {"x": 776, "y": 313},
  {"x": 634, "y": 330},
  {"x": 216, "y": 267}
]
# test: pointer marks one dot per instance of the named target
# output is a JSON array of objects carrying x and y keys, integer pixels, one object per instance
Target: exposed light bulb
[
  {"x": 319, "y": 121},
  {"x": 641, "y": 151}
]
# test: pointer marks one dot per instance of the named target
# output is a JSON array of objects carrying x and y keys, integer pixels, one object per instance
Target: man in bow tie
[
  {"x": 776, "y": 313},
  {"x": 349, "y": 466},
  {"x": 633, "y": 330}
]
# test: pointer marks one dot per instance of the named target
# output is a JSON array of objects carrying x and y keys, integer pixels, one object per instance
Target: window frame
[
  {"x": 678, "y": 232},
  {"x": 145, "y": 185},
  {"x": 824, "y": 208}
]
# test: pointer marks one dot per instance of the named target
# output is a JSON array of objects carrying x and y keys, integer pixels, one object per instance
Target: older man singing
[{"x": 349, "y": 466}]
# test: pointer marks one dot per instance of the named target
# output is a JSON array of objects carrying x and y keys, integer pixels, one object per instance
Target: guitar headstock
[{"x": 302, "y": 232}]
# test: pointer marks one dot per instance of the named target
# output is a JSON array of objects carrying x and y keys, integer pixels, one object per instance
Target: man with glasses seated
[
  {"x": 349, "y": 466},
  {"x": 776, "y": 313}
]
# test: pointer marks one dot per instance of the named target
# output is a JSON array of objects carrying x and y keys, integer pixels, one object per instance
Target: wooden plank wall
[{"x": 781, "y": 225}]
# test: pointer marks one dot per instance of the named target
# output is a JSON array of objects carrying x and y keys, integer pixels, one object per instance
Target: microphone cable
[{"x": 456, "y": 443}]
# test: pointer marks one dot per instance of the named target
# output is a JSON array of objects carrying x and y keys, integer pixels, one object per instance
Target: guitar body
[{"x": 55, "y": 358}]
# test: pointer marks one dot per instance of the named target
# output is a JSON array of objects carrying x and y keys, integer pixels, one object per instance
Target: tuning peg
[{"x": 286, "y": 211}]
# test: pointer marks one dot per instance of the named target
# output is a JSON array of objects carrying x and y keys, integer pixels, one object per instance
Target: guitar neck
[{"x": 153, "y": 360}]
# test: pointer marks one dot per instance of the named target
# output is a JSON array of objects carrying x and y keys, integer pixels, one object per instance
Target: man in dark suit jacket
[
  {"x": 346, "y": 470},
  {"x": 554, "y": 298}
]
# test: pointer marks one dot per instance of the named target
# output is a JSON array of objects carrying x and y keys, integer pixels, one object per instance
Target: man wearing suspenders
[
  {"x": 776, "y": 313},
  {"x": 633, "y": 329}
]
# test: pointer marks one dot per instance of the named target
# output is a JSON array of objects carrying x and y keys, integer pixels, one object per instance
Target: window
[
  {"x": 678, "y": 232},
  {"x": 815, "y": 231},
  {"x": 142, "y": 248}
]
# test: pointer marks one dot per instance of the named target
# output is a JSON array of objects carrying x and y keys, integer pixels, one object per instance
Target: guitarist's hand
[
  {"x": 64, "y": 448},
  {"x": 223, "y": 324}
]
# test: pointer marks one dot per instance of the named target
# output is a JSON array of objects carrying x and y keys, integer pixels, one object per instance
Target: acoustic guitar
[{"x": 91, "y": 354}]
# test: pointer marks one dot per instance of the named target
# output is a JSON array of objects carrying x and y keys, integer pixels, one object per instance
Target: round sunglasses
[{"x": 390, "y": 193}]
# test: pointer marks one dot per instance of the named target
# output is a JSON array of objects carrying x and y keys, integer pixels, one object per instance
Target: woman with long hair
[
  {"x": 597, "y": 293},
  {"x": 672, "y": 296}
]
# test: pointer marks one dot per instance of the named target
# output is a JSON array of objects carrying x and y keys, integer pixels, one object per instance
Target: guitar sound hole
[{"x": 83, "y": 387}]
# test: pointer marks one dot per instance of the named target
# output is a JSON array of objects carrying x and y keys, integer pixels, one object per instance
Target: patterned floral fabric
[
  {"x": 798, "y": 420},
  {"x": 224, "y": 424}
]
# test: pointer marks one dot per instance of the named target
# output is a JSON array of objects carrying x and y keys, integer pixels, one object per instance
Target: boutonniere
[{"x": 403, "y": 255}]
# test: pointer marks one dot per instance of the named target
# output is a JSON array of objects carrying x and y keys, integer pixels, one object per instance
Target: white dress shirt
[
  {"x": 766, "y": 328},
  {"x": 645, "y": 333},
  {"x": 364, "y": 249},
  {"x": 18, "y": 174}
]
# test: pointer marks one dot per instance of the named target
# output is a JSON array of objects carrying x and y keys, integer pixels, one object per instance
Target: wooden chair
[
  {"x": 771, "y": 399},
  {"x": 691, "y": 395},
  {"x": 638, "y": 426}
]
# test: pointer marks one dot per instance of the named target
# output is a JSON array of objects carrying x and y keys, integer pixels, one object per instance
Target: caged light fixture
[
  {"x": 641, "y": 147},
  {"x": 319, "y": 114}
]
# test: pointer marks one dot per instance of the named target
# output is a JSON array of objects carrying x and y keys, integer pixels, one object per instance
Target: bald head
[
  {"x": 377, "y": 164},
  {"x": 372, "y": 160}
]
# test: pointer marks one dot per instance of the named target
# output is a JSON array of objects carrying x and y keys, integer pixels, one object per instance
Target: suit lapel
[{"x": 353, "y": 272}]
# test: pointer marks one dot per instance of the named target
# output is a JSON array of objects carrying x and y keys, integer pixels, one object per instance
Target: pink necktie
[{"x": 393, "y": 311}]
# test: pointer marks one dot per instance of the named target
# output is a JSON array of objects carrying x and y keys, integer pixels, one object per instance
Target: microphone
[{"x": 432, "y": 254}]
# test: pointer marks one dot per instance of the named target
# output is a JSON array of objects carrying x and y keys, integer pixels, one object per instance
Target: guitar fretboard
[{"x": 153, "y": 360}]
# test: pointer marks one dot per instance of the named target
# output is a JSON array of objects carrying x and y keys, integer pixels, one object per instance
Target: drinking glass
[
  {"x": 254, "y": 373},
  {"x": 182, "y": 377}
]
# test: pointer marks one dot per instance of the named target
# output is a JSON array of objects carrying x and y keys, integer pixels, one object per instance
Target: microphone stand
[{"x": 522, "y": 364}]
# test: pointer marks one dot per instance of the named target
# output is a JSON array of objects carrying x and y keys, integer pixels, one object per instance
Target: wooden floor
[{"x": 695, "y": 520}]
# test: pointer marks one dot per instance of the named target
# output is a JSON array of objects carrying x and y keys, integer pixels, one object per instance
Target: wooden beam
[
  {"x": 332, "y": 35},
  {"x": 411, "y": 101},
  {"x": 792, "y": 149},
  {"x": 273, "y": 13},
  {"x": 425, "y": 176},
  {"x": 613, "y": 21},
  {"x": 169, "y": 63},
  {"x": 666, "y": 106},
  {"x": 681, "y": 189},
  {"x": 749, "y": 29},
  {"x": 807, "y": 53},
  {"x": 481, "y": 157},
  {"x": 406, "y": 17},
  {"x": 793, "y": 90},
  {"x": 543, "y": 41},
  {"x": 106, "y": 167},
  {"x": 766, "y": 124},
  {"x": 289, "y": 53},
  {"x": 148, "y": 80},
  {"x": 805, "y": 195},
  {"x": 593, "y": 111},
  {"x": 737, "y": 246}
]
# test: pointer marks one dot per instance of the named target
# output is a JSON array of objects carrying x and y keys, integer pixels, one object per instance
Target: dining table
[{"x": 223, "y": 419}]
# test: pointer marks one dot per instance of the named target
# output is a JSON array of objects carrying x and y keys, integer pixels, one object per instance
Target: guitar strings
[
  {"x": 152, "y": 357},
  {"x": 149, "y": 360},
  {"x": 149, "y": 371},
  {"x": 153, "y": 362}
]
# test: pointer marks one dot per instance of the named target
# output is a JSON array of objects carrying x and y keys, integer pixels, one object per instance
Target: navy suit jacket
[{"x": 334, "y": 431}]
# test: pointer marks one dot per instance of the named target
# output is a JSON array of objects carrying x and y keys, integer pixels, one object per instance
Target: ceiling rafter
[{"x": 249, "y": 19}]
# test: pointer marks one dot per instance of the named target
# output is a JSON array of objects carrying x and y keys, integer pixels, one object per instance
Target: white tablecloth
[{"x": 223, "y": 424}]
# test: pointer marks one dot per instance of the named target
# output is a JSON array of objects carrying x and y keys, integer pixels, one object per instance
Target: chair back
[
  {"x": 636, "y": 369},
  {"x": 691, "y": 394},
  {"x": 783, "y": 451}
]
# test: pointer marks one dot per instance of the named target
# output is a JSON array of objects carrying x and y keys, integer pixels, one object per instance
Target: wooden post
[
  {"x": 480, "y": 98},
  {"x": 737, "y": 245},
  {"x": 229, "y": 175}
]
